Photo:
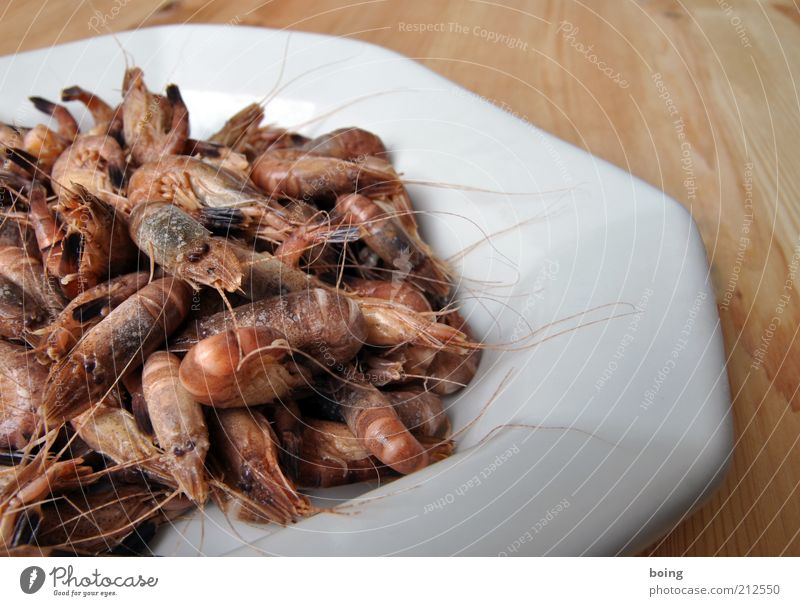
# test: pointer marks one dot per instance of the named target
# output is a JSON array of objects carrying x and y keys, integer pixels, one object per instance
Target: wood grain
[{"x": 730, "y": 69}]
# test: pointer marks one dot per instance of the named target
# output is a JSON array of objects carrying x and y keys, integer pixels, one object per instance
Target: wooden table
[{"x": 587, "y": 75}]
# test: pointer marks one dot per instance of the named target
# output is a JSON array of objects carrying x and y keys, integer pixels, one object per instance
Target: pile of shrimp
[{"x": 235, "y": 320}]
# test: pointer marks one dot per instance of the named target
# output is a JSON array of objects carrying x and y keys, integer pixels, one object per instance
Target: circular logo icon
[{"x": 31, "y": 579}]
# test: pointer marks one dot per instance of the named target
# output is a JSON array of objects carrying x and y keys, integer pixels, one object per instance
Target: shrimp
[
  {"x": 400, "y": 361},
  {"x": 95, "y": 162},
  {"x": 21, "y": 380},
  {"x": 107, "y": 518},
  {"x": 294, "y": 173},
  {"x": 118, "y": 344},
  {"x": 421, "y": 411},
  {"x": 85, "y": 311},
  {"x": 177, "y": 422},
  {"x": 26, "y": 271},
  {"x": 183, "y": 247},
  {"x": 112, "y": 432},
  {"x": 246, "y": 449},
  {"x": 371, "y": 418},
  {"x": 333, "y": 456},
  {"x": 50, "y": 235},
  {"x": 451, "y": 371},
  {"x": 350, "y": 143},
  {"x": 107, "y": 120},
  {"x": 19, "y": 315},
  {"x": 239, "y": 127},
  {"x": 319, "y": 322},
  {"x": 96, "y": 237},
  {"x": 153, "y": 126},
  {"x": 219, "y": 156},
  {"x": 216, "y": 196},
  {"x": 394, "y": 245},
  {"x": 244, "y": 367},
  {"x": 33, "y": 481},
  {"x": 67, "y": 125},
  {"x": 264, "y": 275}
]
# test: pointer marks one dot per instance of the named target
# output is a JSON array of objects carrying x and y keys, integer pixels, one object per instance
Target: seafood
[
  {"x": 178, "y": 423},
  {"x": 95, "y": 162},
  {"x": 319, "y": 322},
  {"x": 239, "y": 127},
  {"x": 21, "y": 378},
  {"x": 246, "y": 449},
  {"x": 18, "y": 315},
  {"x": 107, "y": 120},
  {"x": 451, "y": 371},
  {"x": 372, "y": 418},
  {"x": 183, "y": 247},
  {"x": 241, "y": 367},
  {"x": 294, "y": 173},
  {"x": 106, "y": 517},
  {"x": 25, "y": 270},
  {"x": 154, "y": 126},
  {"x": 96, "y": 240},
  {"x": 85, "y": 311},
  {"x": 117, "y": 344},
  {"x": 421, "y": 411},
  {"x": 32, "y": 482},
  {"x": 184, "y": 318},
  {"x": 112, "y": 432},
  {"x": 349, "y": 143},
  {"x": 332, "y": 456},
  {"x": 393, "y": 244}
]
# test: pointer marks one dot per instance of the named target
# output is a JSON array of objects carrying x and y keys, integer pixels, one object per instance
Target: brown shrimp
[
  {"x": 421, "y": 411},
  {"x": 33, "y": 481},
  {"x": 288, "y": 424},
  {"x": 118, "y": 344},
  {"x": 333, "y": 456},
  {"x": 85, "y": 311},
  {"x": 99, "y": 520},
  {"x": 50, "y": 234},
  {"x": 401, "y": 362},
  {"x": 27, "y": 272},
  {"x": 21, "y": 381},
  {"x": 294, "y": 173},
  {"x": 95, "y": 162},
  {"x": 112, "y": 432},
  {"x": 349, "y": 143},
  {"x": 217, "y": 197},
  {"x": 401, "y": 252},
  {"x": 19, "y": 315},
  {"x": 67, "y": 125},
  {"x": 178, "y": 423},
  {"x": 371, "y": 418},
  {"x": 96, "y": 237},
  {"x": 107, "y": 120},
  {"x": 154, "y": 126},
  {"x": 235, "y": 132},
  {"x": 183, "y": 247},
  {"x": 246, "y": 449},
  {"x": 270, "y": 138},
  {"x": 319, "y": 322},
  {"x": 241, "y": 367},
  {"x": 451, "y": 371},
  {"x": 264, "y": 275},
  {"x": 219, "y": 156}
]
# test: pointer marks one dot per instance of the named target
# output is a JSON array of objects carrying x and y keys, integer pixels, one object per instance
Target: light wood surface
[{"x": 730, "y": 69}]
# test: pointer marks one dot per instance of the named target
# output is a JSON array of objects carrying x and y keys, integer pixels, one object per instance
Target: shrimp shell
[
  {"x": 247, "y": 450},
  {"x": 178, "y": 423},
  {"x": 118, "y": 344}
]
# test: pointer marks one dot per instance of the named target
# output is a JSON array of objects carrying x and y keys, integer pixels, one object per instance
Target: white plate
[{"x": 620, "y": 426}]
